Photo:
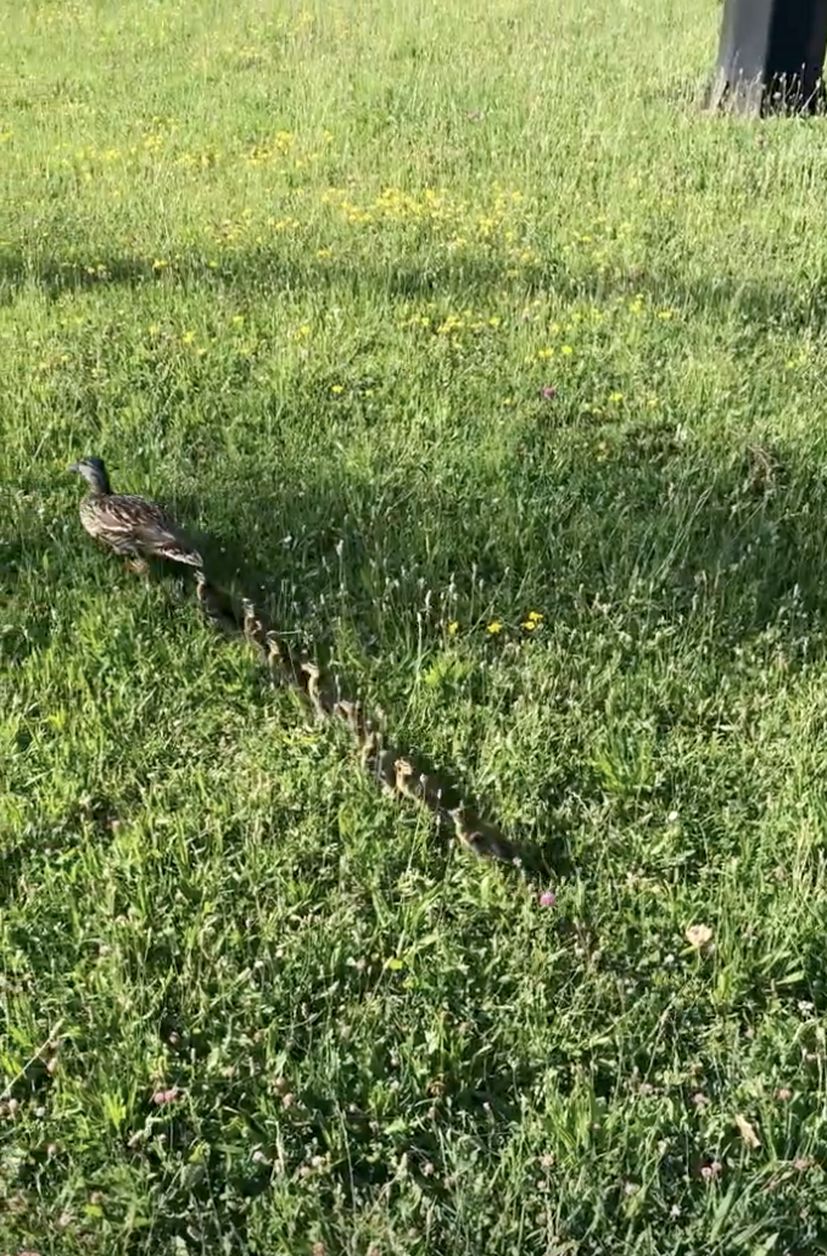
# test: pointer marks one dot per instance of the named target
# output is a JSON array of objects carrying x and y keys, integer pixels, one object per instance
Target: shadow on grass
[
  {"x": 657, "y": 535},
  {"x": 760, "y": 304}
]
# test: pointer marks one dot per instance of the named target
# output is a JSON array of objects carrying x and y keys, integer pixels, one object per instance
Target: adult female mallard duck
[{"x": 130, "y": 525}]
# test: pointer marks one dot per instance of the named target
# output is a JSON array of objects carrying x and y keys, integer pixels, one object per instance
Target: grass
[{"x": 304, "y": 273}]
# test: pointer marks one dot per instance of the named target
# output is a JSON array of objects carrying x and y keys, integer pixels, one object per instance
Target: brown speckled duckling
[{"x": 483, "y": 839}]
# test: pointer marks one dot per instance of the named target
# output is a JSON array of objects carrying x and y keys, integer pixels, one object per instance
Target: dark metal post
[{"x": 771, "y": 54}]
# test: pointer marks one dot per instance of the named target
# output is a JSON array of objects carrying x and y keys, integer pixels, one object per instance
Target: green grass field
[{"x": 422, "y": 318}]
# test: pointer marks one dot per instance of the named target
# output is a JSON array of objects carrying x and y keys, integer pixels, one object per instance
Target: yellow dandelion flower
[
  {"x": 530, "y": 625},
  {"x": 494, "y": 627},
  {"x": 566, "y": 350},
  {"x": 153, "y": 329},
  {"x": 237, "y": 320},
  {"x": 188, "y": 338},
  {"x": 615, "y": 397},
  {"x": 336, "y": 389},
  {"x": 453, "y": 628},
  {"x": 322, "y": 254},
  {"x": 543, "y": 354}
]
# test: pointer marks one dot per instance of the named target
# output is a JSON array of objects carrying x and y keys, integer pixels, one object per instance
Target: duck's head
[{"x": 94, "y": 473}]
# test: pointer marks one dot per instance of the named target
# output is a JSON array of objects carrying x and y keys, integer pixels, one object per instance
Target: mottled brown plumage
[{"x": 130, "y": 525}]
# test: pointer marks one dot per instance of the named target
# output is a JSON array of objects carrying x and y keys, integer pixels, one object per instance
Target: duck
[{"x": 130, "y": 525}]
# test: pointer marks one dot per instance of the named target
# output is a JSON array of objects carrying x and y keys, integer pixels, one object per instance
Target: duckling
[
  {"x": 275, "y": 649},
  {"x": 130, "y": 525},
  {"x": 383, "y": 768},
  {"x": 351, "y": 713},
  {"x": 431, "y": 790},
  {"x": 368, "y": 751},
  {"x": 254, "y": 629},
  {"x": 404, "y": 778},
  {"x": 216, "y": 605},
  {"x": 375, "y": 759},
  {"x": 319, "y": 693},
  {"x": 283, "y": 667},
  {"x": 483, "y": 839}
]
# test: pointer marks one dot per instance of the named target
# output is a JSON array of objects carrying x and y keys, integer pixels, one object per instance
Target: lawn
[{"x": 493, "y": 369}]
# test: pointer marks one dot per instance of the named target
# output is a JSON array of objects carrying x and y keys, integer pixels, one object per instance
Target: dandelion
[
  {"x": 494, "y": 627},
  {"x": 237, "y": 320},
  {"x": 566, "y": 350},
  {"x": 699, "y": 936},
  {"x": 337, "y": 389},
  {"x": 453, "y": 628},
  {"x": 532, "y": 621},
  {"x": 615, "y": 398},
  {"x": 322, "y": 254},
  {"x": 188, "y": 338},
  {"x": 545, "y": 354}
]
